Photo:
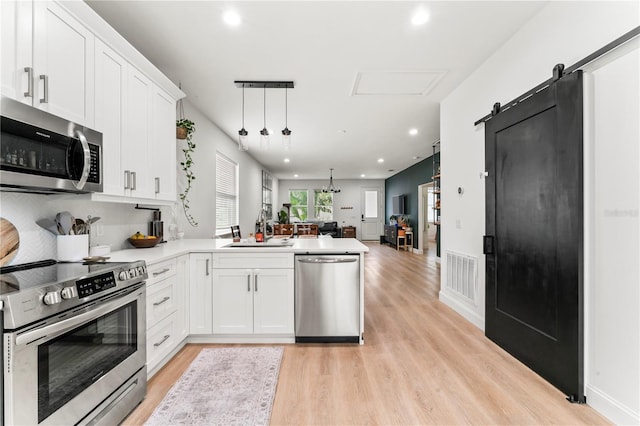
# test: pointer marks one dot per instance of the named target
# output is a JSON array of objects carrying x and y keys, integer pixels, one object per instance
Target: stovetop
[
  {"x": 46, "y": 272},
  {"x": 32, "y": 292}
]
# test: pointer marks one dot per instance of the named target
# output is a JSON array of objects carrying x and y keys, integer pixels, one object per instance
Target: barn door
[{"x": 534, "y": 225}]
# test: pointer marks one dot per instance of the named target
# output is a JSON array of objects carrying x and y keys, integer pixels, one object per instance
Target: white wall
[
  {"x": 563, "y": 32},
  {"x": 209, "y": 139},
  {"x": 347, "y": 205}
]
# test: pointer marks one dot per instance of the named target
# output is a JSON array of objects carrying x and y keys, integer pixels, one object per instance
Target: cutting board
[{"x": 9, "y": 241}]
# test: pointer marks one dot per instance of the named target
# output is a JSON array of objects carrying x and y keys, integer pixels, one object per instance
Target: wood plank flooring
[{"x": 421, "y": 364}]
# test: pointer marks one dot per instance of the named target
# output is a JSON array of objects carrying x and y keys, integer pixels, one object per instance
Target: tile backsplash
[{"x": 117, "y": 221}]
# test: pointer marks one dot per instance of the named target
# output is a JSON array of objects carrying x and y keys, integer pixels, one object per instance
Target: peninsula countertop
[{"x": 170, "y": 249}]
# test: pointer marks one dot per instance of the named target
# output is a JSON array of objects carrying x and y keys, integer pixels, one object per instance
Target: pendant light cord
[
  {"x": 264, "y": 97},
  {"x": 243, "y": 106},
  {"x": 286, "y": 125}
]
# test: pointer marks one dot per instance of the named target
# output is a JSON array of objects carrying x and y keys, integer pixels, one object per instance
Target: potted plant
[
  {"x": 283, "y": 217},
  {"x": 189, "y": 128}
]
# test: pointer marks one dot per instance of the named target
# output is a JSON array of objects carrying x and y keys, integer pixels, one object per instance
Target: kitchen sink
[{"x": 269, "y": 243}]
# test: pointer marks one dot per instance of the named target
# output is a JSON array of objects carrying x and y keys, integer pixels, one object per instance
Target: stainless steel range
[{"x": 74, "y": 342}]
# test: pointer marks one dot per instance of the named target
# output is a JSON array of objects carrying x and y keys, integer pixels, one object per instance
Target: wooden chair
[
  {"x": 235, "y": 231},
  {"x": 283, "y": 229},
  {"x": 307, "y": 229}
]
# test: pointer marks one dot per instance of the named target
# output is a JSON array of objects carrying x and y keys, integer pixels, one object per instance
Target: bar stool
[{"x": 402, "y": 236}]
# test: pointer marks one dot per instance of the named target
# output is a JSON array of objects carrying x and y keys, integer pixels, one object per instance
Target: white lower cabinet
[
  {"x": 200, "y": 293},
  {"x": 253, "y": 301},
  {"x": 253, "y": 294},
  {"x": 166, "y": 311}
]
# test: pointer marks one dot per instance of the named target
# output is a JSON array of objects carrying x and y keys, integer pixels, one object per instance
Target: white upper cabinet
[
  {"x": 47, "y": 58},
  {"x": 110, "y": 108},
  {"x": 163, "y": 145}
]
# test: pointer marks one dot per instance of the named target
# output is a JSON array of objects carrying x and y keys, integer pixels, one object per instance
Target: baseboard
[
  {"x": 610, "y": 408},
  {"x": 241, "y": 339},
  {"x": 462, "y": 308}
]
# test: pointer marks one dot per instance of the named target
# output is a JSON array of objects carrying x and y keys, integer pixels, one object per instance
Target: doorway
[
  {"x": 534, "y": 225},
  {"x": 371, "y": 215},
  {"x": 426, "y": 218}
]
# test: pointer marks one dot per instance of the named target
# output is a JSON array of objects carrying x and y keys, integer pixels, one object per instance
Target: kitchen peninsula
[{"x": 207, "y": 291}]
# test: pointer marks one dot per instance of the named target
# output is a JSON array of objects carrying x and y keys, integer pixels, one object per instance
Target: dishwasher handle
[{"x": 327, "y": 260}]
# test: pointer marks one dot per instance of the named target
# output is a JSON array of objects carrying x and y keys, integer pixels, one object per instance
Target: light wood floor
[{"x": 421, "y": 364}]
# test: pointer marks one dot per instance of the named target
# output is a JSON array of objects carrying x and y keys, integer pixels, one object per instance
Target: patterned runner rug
[{"x": 223, "y": 386}]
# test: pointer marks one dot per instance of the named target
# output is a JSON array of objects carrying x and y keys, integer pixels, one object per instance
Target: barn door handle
[{"x": 487, "y": 244}]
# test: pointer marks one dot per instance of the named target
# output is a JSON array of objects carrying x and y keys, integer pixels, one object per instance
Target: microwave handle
[{"x": 87, "y": 160}]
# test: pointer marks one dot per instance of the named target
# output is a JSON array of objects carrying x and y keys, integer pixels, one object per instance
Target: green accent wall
[{"x": 406, "y": 183}]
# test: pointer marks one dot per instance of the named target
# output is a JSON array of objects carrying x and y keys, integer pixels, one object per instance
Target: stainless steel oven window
[{"x": 74, "y": 361}]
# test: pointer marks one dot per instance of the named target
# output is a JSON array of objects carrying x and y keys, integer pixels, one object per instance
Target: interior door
[
  {"x": 371, "y": 216},
  {"x": 534, "y": 224}
]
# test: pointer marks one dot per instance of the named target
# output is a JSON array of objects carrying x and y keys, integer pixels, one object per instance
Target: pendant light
[
  {"x": 243, "y": 135},
  {"x": 331, "y": 188},
  {"x": 286, "y": 133},
  {"x": 264, "y": 133}
]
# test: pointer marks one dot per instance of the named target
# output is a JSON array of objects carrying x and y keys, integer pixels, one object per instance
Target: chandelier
[{"x": 331, "y": 187}]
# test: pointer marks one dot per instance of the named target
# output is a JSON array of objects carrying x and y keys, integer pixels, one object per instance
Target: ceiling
[{"x": 364, "y": 75}]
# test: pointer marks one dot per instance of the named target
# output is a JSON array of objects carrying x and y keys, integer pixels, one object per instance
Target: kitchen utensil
[
  {"x": 95, "y": 259},
  {"x": 49, "y": 224},
  {"x": 9, "y": 241},
  {"x": 80, "y": 227},
  {"x": 65, "y": 220}
]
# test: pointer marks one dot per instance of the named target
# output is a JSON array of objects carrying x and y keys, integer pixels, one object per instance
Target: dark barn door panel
[{"x": 534, "y": 224}]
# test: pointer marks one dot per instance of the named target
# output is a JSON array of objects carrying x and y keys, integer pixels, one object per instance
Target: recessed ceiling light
[
  {"x": 295, "y": 176},
  {"x": 420, "y": 18},
  {"x": 232, "y": 18},
  {"x": 380, "y": 160},
  {"x": 286, "y": 160},
  {"x": 413, "y": 132},
  {"x": 363, "y": 175},
  {"x": 416, "y": 157}
]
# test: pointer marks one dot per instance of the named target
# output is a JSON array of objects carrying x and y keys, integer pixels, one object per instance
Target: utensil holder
[{"x": 72, "y": 248}]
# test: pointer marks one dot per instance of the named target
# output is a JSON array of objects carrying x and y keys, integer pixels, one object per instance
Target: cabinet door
[
  {"x": 17, "y": 49},
  {"x": 233, "y": 301},
  {"x": 163, "y": 146},
  {"x": 182, "y": 296},
  {"x": 200, "y": 293},
  {"x": 63, "y": 64},
  {"x": 273, "y": 301},
  {"x": 136, "y": 143},
  {"x": 110, "y": 108}
]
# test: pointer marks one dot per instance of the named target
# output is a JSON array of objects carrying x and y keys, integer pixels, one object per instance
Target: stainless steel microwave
[{"x": 43, "y": 153}]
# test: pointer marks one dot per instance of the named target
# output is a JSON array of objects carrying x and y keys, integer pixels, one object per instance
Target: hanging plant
[{"x": 188, "y": 127}]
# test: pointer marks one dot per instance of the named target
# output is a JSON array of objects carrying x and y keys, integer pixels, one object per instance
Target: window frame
[
  {"x": 317, "y": 207},
  {"x": 222, "y": 228},
  {"x": 306, "y": 207}
]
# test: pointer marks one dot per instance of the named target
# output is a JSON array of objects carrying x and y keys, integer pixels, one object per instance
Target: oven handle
[
  {"x": 71, "y": 323},
  {"x": 86, "y": 168}
]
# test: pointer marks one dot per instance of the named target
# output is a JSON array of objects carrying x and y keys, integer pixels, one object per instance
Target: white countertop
[{"x": 175, "y": 248}]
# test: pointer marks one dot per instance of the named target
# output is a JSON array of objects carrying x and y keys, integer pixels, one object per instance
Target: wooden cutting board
[{"x": 9, "y": 241}]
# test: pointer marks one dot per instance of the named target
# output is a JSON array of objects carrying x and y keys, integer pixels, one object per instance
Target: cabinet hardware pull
[
  {"x": 255, "y": 283},
  {"x": 155, "y": 274},
  {"x": 29, "y": 92},
  {"x": 127, "y": 179},
  {"x": 157, "y": 185},
  {"x": 134, "y": 181},
  {"x": 248, "y": 282},
  {"x": 45, "y": 97},
  {"x": 207, "y": 268},
  {"x": 164, "y": 339},
  {"x": 162, "y": 301}
]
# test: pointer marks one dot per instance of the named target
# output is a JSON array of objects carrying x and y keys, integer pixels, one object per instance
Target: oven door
[{"x": 60, "y": 370}]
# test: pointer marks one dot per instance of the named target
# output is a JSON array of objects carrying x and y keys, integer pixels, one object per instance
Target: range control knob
[
  {"x": 123, "y": 276},
  {"x": 68, "y": 293},
  {"x": 51, "y": 298},
  {"x": 140, "y": 270},
  {"x": 133, "y": 273}
]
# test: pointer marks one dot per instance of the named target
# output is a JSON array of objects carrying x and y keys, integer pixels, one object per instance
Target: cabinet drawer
[
  {"x": 253, "y": 260},
  {"x": 160, "y": 271},
  {"x": 161, "y": 300},
  {"x": 161, "y": 339}
]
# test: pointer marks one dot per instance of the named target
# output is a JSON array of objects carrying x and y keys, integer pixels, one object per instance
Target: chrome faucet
[{"x": 262, "y": 220}]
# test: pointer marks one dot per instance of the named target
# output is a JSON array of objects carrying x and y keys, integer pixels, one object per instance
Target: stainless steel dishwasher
[{"x": 327, "y": 298}]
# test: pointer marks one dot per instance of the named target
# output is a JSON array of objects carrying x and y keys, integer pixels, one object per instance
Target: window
[
  {"x": 299, "y": 205},
  {"x": 267, "y": 194},
  {"x": 226, "y": 194},
  {"x": 323, "y": 205}
]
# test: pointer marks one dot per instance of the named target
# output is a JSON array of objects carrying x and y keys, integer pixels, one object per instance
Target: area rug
[{"x": 223, "y": 386}]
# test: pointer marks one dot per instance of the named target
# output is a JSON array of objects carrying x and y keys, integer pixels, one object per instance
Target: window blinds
[{"x": 226, "y": 194}]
